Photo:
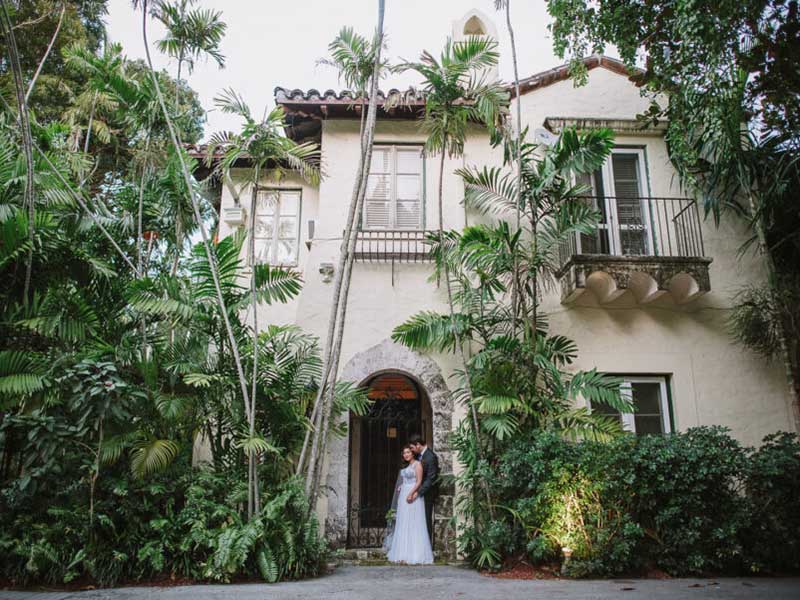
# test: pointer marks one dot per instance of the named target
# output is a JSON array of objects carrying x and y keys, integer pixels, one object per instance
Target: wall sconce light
[{"x": 326, "y": 270}]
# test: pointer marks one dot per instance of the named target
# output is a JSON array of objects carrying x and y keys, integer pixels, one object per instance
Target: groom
[{"x": 430, "y": 478}]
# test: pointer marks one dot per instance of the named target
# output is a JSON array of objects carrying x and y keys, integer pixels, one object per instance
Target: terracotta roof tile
[{"x": 561, "y": 73}]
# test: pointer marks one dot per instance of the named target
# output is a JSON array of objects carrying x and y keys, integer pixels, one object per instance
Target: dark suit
[{"x": 430, "y": 485}]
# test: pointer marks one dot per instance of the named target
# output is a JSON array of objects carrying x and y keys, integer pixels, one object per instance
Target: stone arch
[{"x": 390, "y": 357}]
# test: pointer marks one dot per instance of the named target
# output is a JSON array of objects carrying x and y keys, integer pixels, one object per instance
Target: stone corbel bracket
[{"x": 647, "y": 277}]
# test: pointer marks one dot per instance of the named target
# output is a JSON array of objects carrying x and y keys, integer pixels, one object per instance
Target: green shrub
[
  {"x": 559, "y": 493},
  {"x": 772, "y": 481},
  {"x": 183, "y": 523},
  {"x": 688, "y": 499},
  {"x": 687, "y": 503}
]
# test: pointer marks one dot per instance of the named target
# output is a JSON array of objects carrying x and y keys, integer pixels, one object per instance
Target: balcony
[
  {"x": 648, "y": 246},
  {"x": 392, "y": 246}
]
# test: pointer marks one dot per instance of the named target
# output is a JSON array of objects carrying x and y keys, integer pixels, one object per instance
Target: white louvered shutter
[
  {"x": 408, "y": 211},
  {"x": 378, "y": 200},
  {"x": 627, "y": 189}
]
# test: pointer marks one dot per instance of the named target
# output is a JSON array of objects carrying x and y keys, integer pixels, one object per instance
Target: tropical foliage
[
  {"x": 699, "y": 504},
  {"x": 726, "y": 82},
  {"x": 118, "y": 367},
  {"x": 516, "y": 377},
  {"x": 519, "y": 379}
]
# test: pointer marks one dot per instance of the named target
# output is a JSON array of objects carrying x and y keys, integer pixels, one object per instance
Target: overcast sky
[{"x": 277, "y": 43}]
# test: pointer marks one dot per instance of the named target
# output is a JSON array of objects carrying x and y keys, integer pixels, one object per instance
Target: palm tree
[
  {"x": 269, "y": 152},
  {"x": 354, "y": 57},
  {"x": 27, "y": 139},
  {"x": 361, "y": 66},
  {"x": 517, "y": 146},
  {"x": 191, "y": 33},
  {"x": 187, "y": 177},
  {"x": 457, "y": 93},
  {"x": 520, "y": 382}
]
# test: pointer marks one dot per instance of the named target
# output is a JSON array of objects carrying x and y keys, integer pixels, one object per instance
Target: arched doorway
[{"x": 399, "y": 409}]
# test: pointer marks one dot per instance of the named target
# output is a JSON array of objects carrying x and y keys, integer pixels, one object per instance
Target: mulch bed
[{"x": 520, "y": 569}]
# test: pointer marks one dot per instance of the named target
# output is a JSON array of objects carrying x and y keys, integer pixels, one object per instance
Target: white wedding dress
[{"x": 410, "y": 542}]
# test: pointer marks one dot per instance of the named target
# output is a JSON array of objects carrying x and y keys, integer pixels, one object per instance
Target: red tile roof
[{"x": 561, "y": 73}]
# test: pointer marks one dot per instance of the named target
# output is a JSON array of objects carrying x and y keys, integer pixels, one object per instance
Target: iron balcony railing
[
  {"x": 640, "y": 226},
  {"x": 393, "y": 245}
]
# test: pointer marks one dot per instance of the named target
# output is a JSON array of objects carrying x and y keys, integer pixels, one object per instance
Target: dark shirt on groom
[{"x": 430, "y": 485}]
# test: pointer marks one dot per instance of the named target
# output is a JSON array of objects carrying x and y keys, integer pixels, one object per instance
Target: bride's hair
[{"x": 408, "y": 447}]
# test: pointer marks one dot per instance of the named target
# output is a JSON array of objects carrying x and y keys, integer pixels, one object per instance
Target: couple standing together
[{"x": 408, "y": 537}]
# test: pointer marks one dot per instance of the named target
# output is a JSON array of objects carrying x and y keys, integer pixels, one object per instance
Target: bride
[{"x": 407, "y": 538}]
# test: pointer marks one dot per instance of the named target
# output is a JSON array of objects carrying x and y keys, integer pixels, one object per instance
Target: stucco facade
[{"x": 709, "y": 379}]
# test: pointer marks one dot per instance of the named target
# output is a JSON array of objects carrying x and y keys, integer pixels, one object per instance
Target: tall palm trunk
[
  {"x": 178, "y": 223},
  {"x": 140, "y": 208},
  {"x": 53, "y": 39},
  {"x": 515, "y": 293},
  {"x": 369, "y": 130},
  {"x": 458, "y": 341},
  {"x": 178, "y": 86},
  {"x": 212, "y": 262},
  {"x": 325, "y": 395},
  {"x": 337, "y": 286},
  {"x": 27, "y": 140},
  {"x": 89, "y": 124},
  {"x": 139, "y": 234},
  {"x": 253, "y": 502}
]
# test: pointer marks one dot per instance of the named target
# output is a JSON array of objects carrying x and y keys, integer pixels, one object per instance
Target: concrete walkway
[{"x": 438, "y": 583}]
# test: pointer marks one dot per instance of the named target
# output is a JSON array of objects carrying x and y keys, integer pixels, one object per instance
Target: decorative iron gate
[{"x": 394, "y": 416}]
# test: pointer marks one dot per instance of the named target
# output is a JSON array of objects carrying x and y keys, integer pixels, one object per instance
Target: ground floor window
[{"x": 650, "y": 397}]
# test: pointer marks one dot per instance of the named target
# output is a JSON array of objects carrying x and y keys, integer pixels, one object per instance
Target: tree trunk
[
  {"x": 514, "y": 282},
  {"x": 89, "y": 128},
  {"x": 198, "y": 218},
  {"x": 178, "y": 86},
  {"x": 139, "y": 227},
  {"x": 458, "y": 342},
  {"x": 95, "y": 475},
  {"x": 47, "y": 53},
  {"x": 327, "y": 389},
  {"x": 140, "y": 209},
  {"x": 352, "y": 215},
  {"x": 369, "y": 131},
  {"x": 27, "y": 141},
  {"x": 253, "y": 504}
]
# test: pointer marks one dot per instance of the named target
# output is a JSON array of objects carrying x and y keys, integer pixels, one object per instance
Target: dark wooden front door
[{"x": 376, "y": 441}]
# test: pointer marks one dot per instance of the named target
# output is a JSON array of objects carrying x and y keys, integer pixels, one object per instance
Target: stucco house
[{"x": 644, "y": 298}]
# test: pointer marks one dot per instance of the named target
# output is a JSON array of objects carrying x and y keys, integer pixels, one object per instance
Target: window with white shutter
[
  {"x": 650, "y": 398},
  {"x": 394, "y": 189},
  {"x": 277, "y": 226}
]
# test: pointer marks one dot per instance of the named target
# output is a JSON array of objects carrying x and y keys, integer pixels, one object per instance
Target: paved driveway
[{"x": 435, "y": 583}]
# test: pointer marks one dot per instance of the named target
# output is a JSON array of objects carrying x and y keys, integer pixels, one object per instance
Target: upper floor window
[
  {"x": 651, "y": 404},
  {"x": 394, "y": 188},
  {"x": 277, "y": 231},
  {"x": 619, "y": 192}
]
